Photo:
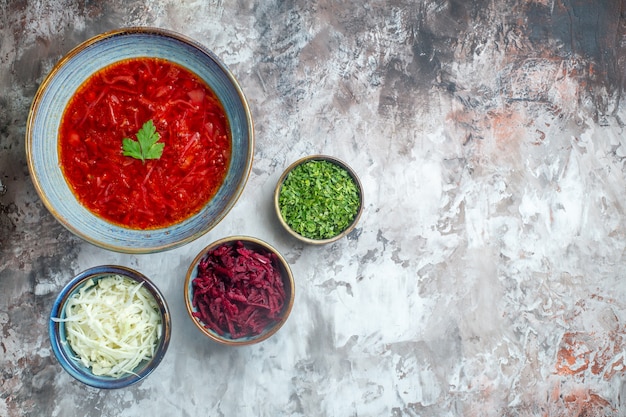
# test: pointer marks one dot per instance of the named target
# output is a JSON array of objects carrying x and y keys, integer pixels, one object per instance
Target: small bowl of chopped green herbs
[
  {"x": 109, "y": 327},
  {"x": 319, "y": 199}
]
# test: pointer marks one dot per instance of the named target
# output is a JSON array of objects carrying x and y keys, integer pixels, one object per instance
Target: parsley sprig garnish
[{"x": 147, "y": 145}]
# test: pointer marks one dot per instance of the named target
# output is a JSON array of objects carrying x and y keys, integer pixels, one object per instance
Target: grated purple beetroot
[{"x": 238, "y": 291}]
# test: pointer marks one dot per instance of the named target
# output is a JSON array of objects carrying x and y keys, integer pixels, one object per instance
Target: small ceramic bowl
[
  {"x": 279, "y": 264},
  {"x": 68, "y": 358},
  {"x": 341, "y": 233},
  {"x": 56, "y": 91}
]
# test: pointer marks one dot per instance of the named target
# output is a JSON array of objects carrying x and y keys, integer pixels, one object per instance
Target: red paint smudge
[
  {"x": 578, "y": 402},
  {"x": 584, "y": 354}
]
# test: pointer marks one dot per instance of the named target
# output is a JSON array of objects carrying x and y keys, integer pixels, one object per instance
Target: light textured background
[{"x": 486, "y": 277}]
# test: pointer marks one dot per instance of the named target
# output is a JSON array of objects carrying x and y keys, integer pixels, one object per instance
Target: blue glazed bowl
[
  {"x": 66, "y": 356},
  {"x": 58, "y": 88},
  {"x": 281, "y": 264}
]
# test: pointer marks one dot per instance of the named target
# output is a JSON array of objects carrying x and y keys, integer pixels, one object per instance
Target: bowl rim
[
  {"x": 84, "y": 45},
  {"x": 286, "y": 309},
  {"x": 341, "y": 164},
  {"x": 63, "y": 356}
]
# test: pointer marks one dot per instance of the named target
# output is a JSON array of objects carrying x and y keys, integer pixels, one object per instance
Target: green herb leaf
[{"x": 146, "y": 146}]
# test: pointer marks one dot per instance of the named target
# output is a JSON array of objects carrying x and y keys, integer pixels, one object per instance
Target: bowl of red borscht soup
[{"x": 139, "y": 140}]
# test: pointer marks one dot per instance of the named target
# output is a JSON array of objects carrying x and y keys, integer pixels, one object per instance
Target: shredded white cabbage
[{"x": 112, "y": 324}]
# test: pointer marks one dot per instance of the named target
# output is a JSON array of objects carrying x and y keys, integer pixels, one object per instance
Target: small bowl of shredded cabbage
[{"x": 109, "y": 327}]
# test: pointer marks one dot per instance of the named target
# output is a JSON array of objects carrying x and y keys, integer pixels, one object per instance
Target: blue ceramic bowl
[
  {"x": 66, "y": 356},
  {"x": 58, "y": 88},
  {"x": 281, "y": 264}
]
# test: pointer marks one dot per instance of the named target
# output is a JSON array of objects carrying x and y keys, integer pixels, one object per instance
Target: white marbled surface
[{"x": 486, "y": 275}]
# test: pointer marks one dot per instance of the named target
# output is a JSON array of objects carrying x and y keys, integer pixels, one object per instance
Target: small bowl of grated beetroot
[{"x": 239, "y": 290}]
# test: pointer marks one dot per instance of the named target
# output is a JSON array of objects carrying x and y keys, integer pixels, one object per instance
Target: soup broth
[{"x": 114, "y": 104}]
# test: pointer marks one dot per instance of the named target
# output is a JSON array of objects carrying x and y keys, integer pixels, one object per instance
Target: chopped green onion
[{"x": 319, "y": 199}]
